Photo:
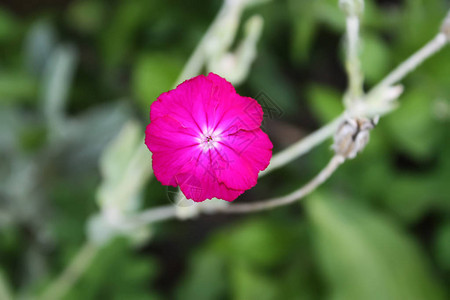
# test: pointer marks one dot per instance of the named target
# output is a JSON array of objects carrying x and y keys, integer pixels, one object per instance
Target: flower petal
[
  {"x": 208, "y": 102},
  {"x": 172, "y": 145},
  {"x": 232, "y": 112},
  {"x": 240, "y": 158},
  {"x": 186, "y": 103},
  {"x": 198, "y": 181},
  {"x": 206, "y": 139}
]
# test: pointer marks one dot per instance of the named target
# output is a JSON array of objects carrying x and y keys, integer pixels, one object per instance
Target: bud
[{"x": 352, "y": 136}]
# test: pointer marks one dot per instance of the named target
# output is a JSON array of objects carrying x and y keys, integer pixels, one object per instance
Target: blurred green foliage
[
  {"x": 154, "y": 73},
  {"x": 72, "y": 73},
  {"x": 116, "y": 274},
  {"x": 364, "y": 256}
]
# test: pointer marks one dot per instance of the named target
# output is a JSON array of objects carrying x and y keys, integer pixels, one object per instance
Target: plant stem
[
  {"x": 82, "y": 260},
  {"x": 302, "y": 146},
  {"x": 154, "y": 215},
  {"x": 71, "y": 274},
  {"x": 300, "y": 193},
  {"x": 198, "y": 57},
  {"x": 433, "y": 46},
  {"x": 306, "y": 144},
  {"x": 353, "y": 64}
]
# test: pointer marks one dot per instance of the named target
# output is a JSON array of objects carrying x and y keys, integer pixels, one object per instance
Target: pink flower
[{"x": 205, "y": 138}]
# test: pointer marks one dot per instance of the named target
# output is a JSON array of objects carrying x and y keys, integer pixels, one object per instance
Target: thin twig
[
  {"x": 82, "y": 260},
  {"x": 71, "y": 274},
  {"x": 62, "y": 284},
  {"x": 196, "y": 60},
  {"x": 306, "y": 144},
  {"x": 302, "y": 146},
  {"x": 154, "y": 215},
  {"x": 151, "y": 215},
  {"x": 353, "y": 63},
  {"x": 433, "y": 46},
  {"x": 334, "y": 163},
  {"x": 198, "y": 57}
]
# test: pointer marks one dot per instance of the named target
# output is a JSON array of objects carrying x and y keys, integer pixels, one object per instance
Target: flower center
[{"x": 208, "y": 140}]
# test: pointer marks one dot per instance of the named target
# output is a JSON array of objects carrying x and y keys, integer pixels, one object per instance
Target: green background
[{"x": 378, "y": 229}]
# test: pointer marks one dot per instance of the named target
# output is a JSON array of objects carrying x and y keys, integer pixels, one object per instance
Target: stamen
[{"x": 208, "y": 140}]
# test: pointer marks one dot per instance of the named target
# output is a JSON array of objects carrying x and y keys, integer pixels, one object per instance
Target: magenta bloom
[{"x": 206, "y": 139}]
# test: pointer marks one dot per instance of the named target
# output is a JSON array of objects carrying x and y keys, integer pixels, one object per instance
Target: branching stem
[
  {"x": 433, "y": 46},
  {"x": 303, "y": 146},
  {"x": 298, "y": 194},
  {"x": 87, "y": 253}
]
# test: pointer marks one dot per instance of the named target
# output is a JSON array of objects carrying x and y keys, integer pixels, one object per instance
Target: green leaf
[
  {"x": 328, "y": 12},
  {"x": 117, "y": 40},
  {"x": 238, "y": 262},
  {"x": 154, "y": 74},
  {"x": 374, "y": 58},
  {"x": 15, "y": 87},
  {"x": 413, "y": 127},
  {"x": 272, "y": 80},
  {"x": 325, "y": 102},
  {"x": 442, "y": 246},
  {"x": 40, "y": 46},
  {"x": 248, "y": 283},
  {"x": 304, "y": 28},
  {"x": 413, "y": 195},
  {"x": 117, "y": 273},
  {"x": 365, "y": 256},
  {"x": 240, "y": 242},
  {"x": 125, "y": 167},
  {"x": 9, "y": 26},
  {"x": 120, "y": 151},
  {"x": 421, "y": 20},
  {"x": 5, "y": 290},
  {"x": 206, "y": 278},
  {"x": 86, "y": 16}
]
